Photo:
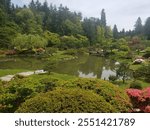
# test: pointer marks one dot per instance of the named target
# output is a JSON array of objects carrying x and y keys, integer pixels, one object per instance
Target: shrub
[
  {"x": 113, "y": 78},
  {"x": 71, "y": 52},
  {"x": 118, "y": 99},
  {"x": 51, "y": 51},
  {"x": 18, "y": 90},
  {"x": 146, "y": 55},
  {"x": 143, "y": 72},
  {"x": 136, "y": 85},
  {"x": 140, "y": 99},
  {"x": 66, "y": 100},
  {"x": 78, "y": 95}
]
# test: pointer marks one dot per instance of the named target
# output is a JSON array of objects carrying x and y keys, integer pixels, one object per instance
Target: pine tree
[
  {"x": 103, "y": 18},
  {"x": 138, "y": 26},
  {"x": 32, "y": 5},
  {"x": 147, "y": 28},
  {"x": 115, "y": 32}
]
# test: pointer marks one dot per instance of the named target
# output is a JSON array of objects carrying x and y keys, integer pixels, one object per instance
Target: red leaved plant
[{"x": 140, "y": 99}]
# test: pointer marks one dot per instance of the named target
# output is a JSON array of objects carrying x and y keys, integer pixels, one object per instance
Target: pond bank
[{"x": 8, "y": 78}]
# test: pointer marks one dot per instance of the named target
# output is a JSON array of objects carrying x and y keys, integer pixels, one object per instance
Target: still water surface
[{"x": 84, "y": 66}]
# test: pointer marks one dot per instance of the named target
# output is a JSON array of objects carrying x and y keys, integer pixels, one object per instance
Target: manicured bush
[
  {"x": 143, "y": 72},
  {"x": 112, "y": 94},
  {"x": 76, "y": 91},
  {"x": 20, "y": 89},
  {"x": 140, "y": 99},
  {"x": 66, "y": 100},
  {"x": 136, "y": 85}
]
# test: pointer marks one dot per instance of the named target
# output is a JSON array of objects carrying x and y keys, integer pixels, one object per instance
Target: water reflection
[
  {"x": 84, "y": 66},
  {"x": 88, "y": 67}
]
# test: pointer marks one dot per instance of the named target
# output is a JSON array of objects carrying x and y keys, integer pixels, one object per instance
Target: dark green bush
[
  {"x": 113, "y": 78},
  {"x": 136, "y": 85},
  {"x": 66, "y": 100},
  {"x": 146, "y": 55}
]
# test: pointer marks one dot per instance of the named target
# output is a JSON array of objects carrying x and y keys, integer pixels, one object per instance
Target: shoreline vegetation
[{"x": 56, "y": 36}]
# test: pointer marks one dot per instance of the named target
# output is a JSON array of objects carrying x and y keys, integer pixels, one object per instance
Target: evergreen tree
[
  {"x": 115, "y": 32},
  {"x": 6, "y": 5},
  {"x": 122, "y": 33},
  {"x": 147, "y": 28},
  {"x": 103, "y": 18},
  {"x": 138, "y": 26},
  {"x": 32, "y": 5},
  {"x": 90, "y": 28}
]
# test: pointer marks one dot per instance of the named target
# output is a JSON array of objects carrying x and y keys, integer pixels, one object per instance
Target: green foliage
[
  {"x": 8, "y": 102},
  {"x": 7, "y": 33},
  {"x": 115, "y": 32},
  {"x": 51, "y": 51},
  {"x": 49, "y": 66},
  {"x": 90, "y": 28},
  {"x": 17, "y": 91},
  {"x": 113, "y": 78},
  {"x": 87, "y": 95},
  {"x": 138, "y": 27},
  {"x": 143, "y": 72},
  {"x": 147, "y": 28},
  {"x": 122, "y": 41},
  {"x": 108, "y": 32},
  {"x": 71, "y": 52},
  {"x": 123, "y": 71},
  {"x": 53, "y": 38},
  {"x": 147, "y": 53},
  {"x": 111, "y": 93},
  {"x": 83, "y": 41},
  {"x": 100, "y": 34},
  {"x": 103, "y": 18},
  {"x": 136, "y": 85},
  {"x": 73, "y": 42},
  {"x": 147, "y": 49},
  {"x": 72, "y": 28},
  {"x": 28, "y": 42},
  {"x": 27, "y": 22},
  {"x": 66, "y": 100},
  {"x": 2, "y": 17},
  {"x": 124, "y": 48}
]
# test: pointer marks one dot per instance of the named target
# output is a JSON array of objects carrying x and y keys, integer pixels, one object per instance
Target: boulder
[
  {"x": 138, "y": 61},
  {"x": 7, "y": 78}
]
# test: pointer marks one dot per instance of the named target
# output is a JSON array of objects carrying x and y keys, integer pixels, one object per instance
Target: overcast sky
[{"x": 124, "y": 13}]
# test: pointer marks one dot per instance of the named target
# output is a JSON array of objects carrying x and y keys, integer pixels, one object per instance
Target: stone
[
  {"x": 25, "y": 74},
  {"x": 7, "y": 78}
]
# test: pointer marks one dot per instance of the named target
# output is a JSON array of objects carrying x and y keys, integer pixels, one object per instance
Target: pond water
[{"x": 85, "y": 66}]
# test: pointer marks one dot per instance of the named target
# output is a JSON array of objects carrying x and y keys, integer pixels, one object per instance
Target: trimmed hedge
[
  {"x": 111, "y": 93},
  {"x": 22, "y": 90},
  {"x": 66, "y": 100}
]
